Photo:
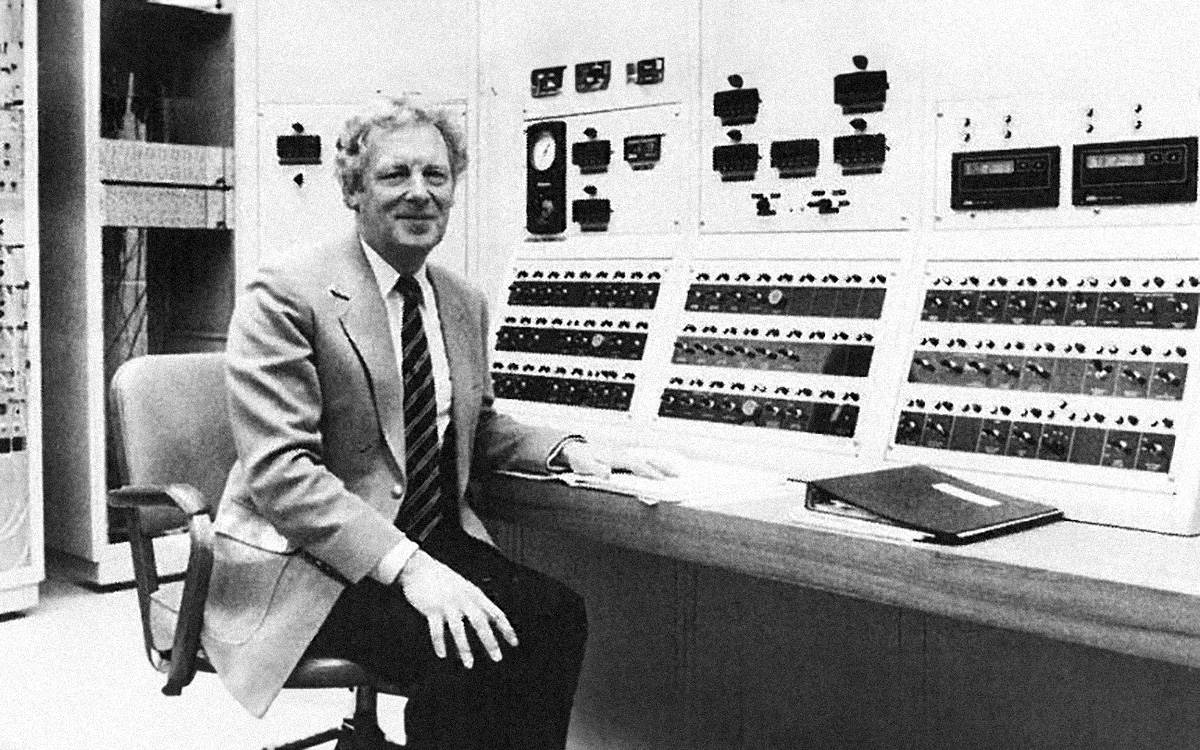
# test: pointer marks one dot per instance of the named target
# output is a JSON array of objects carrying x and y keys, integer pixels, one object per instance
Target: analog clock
[{"x": 543, "y": 151}]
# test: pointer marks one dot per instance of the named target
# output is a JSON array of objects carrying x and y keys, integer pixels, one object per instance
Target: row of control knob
[
  {"x": 565, "y": 391},
  {"x": 586, "y": 275},
  {"x": 811, "y": 301},
  {"x": 816, "y": 334},
  {"x": 792, "y": 278},
  {"x": 1062, "y": 282},
  {"x": 1088, "y": 446},
  {"x": 634, "y": 295},
  {"x": 1067, "y": 375},
  {"x": 1111, "y": 309},
  {"x": 570, "y": 342},
  {"x": 850, "y": 360},
  {"x": 750, "y": 410}
]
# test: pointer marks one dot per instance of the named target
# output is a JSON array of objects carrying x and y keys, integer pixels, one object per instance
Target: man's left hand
[{"x": 652, "y": 463}]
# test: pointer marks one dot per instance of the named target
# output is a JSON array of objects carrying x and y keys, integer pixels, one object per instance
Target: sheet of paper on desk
[
  {"x": 700, "y": 483},
  {"x": 706, "y": 483}
]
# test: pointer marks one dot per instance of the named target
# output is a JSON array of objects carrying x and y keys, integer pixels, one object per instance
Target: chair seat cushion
[
  {"x": 327, "y": 672},
  {"x": 322, "y": 672}
]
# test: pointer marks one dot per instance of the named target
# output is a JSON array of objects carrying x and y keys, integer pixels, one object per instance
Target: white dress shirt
[{"x": 386, "y": 276}]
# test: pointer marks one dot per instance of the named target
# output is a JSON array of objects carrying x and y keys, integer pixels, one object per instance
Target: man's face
[{"x": 406, "y": 194}]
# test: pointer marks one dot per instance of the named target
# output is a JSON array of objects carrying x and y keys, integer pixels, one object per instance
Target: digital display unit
[
  {"x": 999, "y": 166},
  {"x": 1016, "y": 178},
  {"x": 1133, "y": 172},
  {"x": 1112, "y": 161}
]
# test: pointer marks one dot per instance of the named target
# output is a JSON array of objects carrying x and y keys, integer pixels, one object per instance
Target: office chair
[{"x": 174, "y": 448}]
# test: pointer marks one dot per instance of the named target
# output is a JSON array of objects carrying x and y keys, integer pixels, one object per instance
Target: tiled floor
[{"x": 73, "y": 675}]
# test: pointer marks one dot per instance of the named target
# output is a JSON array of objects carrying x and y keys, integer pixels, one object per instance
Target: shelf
[{"x": 139, "y": 202}]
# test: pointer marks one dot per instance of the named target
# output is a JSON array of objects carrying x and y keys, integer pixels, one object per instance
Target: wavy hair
[{"x": 388, "y": 115}]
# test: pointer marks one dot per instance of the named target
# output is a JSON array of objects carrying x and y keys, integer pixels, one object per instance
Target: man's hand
[
  {"x": 652, "y": 463},
  {"x": 446, "y": 599}
]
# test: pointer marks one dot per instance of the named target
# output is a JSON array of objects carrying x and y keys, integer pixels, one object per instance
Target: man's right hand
[{"x": 446, "y": 599}]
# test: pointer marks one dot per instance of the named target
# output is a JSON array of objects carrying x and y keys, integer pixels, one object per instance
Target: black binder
[{"x": 946, "y": 508}]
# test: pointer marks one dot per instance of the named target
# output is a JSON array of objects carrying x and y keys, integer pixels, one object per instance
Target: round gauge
[{"x": 543, "y": 152}]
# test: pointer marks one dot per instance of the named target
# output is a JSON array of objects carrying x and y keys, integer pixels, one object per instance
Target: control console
[{"x": 1024, "y": 365}]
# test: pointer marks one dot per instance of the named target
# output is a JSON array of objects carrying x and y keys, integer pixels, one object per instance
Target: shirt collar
[{"x": 386, "y": 276}]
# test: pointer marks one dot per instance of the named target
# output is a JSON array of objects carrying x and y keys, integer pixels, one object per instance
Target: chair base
[
  {"x": 358, "y": 732},
  {"x": 369, "y": 737}
]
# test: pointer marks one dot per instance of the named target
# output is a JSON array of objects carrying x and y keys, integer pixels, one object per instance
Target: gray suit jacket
[{"x": 315, "y": 401}]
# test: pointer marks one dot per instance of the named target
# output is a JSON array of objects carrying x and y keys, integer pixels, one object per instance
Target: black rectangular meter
[
  {"x": 546, "y": 178},
  {"x": 1012, "y": 178},
  {"x": 1127, "y": 172},
  {"x": 861, "y": 92}
]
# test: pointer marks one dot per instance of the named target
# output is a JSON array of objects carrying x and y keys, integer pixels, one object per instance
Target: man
[{"x": 361, "y": 403}]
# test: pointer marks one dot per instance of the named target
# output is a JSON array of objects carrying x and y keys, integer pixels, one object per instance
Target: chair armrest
[
  {"x": 189, "y": 499},
  {"x": 191, "y": 606},
  {"x": 152, "y": 500}
]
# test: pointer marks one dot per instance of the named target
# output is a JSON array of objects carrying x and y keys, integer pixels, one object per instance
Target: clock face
[{"x": 543, "y": 153}]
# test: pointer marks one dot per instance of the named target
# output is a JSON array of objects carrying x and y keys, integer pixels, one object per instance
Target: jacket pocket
[
  {"x": 237, "y": 520},
  {"x": 243, "y": 583}
]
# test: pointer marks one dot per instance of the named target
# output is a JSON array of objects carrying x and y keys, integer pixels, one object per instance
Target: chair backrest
[
  {"x": 174, "y": 448},
  {"x": 170, "y": 422}
]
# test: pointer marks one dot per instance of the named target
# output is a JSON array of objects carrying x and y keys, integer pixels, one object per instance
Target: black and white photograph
[{"x": 532, "y": 375}]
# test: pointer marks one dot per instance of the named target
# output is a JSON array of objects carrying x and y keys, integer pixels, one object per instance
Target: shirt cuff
[
  {"x": 556, "y": 453},
  {"x": 394, "y": 561}
]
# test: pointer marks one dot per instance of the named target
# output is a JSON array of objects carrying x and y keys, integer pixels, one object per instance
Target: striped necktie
[{"x": 422, "y": 507}]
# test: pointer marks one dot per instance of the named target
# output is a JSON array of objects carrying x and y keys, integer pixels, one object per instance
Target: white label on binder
[{"x": 967, "y": 495}]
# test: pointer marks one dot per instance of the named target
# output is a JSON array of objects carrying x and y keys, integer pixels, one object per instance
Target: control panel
[
  {"x": 991, "y": 269},
  {"x": 1016, "y": 367},
  {"x": 16, "y": 512},
  {"x": 15, "y": 281},
  {"x": 594, "y": 76},
  {"x": 604, "y": 173},
  {"x": 775, "y": 168},
  {"x": 21, "y": 542},
  {"x": 14, "y": 349},
  {"x": 814, "y": 136},
  {"x": 575, "y": 333},
  {"x": 641, "y": 64},
  {"x": 1066, "y": 163},
  {"x": 778, "y": 345}
]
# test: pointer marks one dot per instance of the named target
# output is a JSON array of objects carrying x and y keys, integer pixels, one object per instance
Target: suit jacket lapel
[
  {"x": 462, "y": 350},
  {"x": 364, "y": 319}
]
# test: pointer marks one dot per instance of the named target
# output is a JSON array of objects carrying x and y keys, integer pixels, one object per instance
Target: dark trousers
[{"x": 522, "y": 702}]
